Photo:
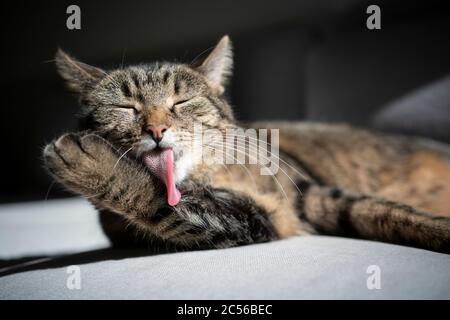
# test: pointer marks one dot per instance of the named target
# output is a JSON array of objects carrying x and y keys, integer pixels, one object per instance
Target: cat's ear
[
  {"x": 217, "y": 67},
  {"x": 80, "y": 77}
]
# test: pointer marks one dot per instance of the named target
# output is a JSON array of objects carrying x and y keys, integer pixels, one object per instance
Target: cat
[{"x": 133, "y": 160}]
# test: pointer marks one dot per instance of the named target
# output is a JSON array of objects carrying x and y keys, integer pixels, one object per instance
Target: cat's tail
[{"x": 339, "y": 212}]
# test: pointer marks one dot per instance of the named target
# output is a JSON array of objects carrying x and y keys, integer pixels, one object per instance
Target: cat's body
[{"x": 332, "y": 179}]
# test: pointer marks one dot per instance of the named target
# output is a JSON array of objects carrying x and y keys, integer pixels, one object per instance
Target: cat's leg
[
  {"x": 339, "y": 212},
  {"x": 123, "y": 234},
  {"x": 205, "y": 218},
  {"x": 119, "y": 231}
]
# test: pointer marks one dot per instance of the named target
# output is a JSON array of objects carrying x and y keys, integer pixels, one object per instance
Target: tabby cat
[{"x": 133, "y": 160}]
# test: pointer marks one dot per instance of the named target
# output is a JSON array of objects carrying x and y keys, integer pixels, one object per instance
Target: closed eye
[
  {"x": 178, "y": 105},
  {"x": 181, "y": 102},
  {"x": 126, "y": 106}
]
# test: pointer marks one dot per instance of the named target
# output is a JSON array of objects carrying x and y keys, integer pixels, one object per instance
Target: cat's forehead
[{"x": 149, "y": 82}]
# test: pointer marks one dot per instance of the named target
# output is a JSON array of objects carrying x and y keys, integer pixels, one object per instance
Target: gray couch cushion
[
  {"x": 302, "y": 267},
  {"x": 49, "y": 228},
  {"x": 424, "y": 112}
]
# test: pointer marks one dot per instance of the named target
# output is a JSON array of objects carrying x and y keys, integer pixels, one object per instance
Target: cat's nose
[{"x": 157, "y": 131}]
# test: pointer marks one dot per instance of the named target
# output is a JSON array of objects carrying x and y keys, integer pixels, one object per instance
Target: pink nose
[{"x": 157, "y": 131}]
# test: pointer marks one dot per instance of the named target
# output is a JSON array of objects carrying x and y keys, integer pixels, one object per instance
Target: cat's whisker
[
  {"x": 49, "y": 189},
  {"x": 285, "y": 173},
  {"x": 273, "y": 176},
  {"x": 199, "y": 55},
  {"x": 219, "y": 140},
  {"x": 254, "y": 142},
  {"x": 123, "y": 58},
  {"x": 93, "y": 196},
  {"x": 120, "y": 158},
  {"x": 302, "y": 175},
  {"x": 244, "y": 168},
  {"x": 224, "y": 166},
  {"x": 281, "y": 169}
]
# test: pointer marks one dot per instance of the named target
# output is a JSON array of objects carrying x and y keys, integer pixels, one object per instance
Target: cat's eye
[
  {"x": 181, "y": 102},
  {"x": 176, "y": 106},
  {"x": 126, "y": 106}
]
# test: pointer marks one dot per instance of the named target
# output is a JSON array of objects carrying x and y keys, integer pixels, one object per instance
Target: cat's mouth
[{"x": 161, "y": 163}]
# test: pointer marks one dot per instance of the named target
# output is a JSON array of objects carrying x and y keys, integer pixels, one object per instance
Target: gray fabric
[
  {"x": 302, "y": 267},
  {"x": 425, "y": 112},
  {"x": 48, "y": 227}
]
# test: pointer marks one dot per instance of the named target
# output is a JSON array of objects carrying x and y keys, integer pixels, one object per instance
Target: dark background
[{"x": 294, "y": 60}]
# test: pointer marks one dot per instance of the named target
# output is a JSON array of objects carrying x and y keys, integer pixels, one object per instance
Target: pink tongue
[{"x": 160, "y": 163}]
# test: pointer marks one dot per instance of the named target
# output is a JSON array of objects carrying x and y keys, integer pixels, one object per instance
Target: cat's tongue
[{"x": 160, "y": 163}]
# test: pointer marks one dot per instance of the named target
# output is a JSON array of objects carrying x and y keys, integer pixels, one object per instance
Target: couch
[{"x": 57, "y": 234}]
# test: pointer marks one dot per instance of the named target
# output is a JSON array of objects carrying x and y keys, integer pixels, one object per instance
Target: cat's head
[{"x": 151, "y": 107}]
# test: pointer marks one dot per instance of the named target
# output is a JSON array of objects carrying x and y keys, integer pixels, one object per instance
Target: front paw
[{"x": 83, "y": 164}]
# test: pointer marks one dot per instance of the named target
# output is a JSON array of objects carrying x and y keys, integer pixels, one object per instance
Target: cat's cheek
[
  {"x": 129, "y": 113},
  {"x": 183, "y": 166}
]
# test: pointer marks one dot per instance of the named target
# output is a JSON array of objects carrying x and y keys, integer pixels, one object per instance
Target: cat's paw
[{"x": 83, "y": 163}]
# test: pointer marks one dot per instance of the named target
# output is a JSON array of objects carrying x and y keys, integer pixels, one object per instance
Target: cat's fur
[{"x": 333, "y": 179}]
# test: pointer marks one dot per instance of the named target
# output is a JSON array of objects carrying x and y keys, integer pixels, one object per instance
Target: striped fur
[{"x": 333, "y": 179}]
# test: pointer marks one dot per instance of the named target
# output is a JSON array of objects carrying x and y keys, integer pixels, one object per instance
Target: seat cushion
[
  {"x": 308, "y": 267},
  {"x": 424, "y": 112}
]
